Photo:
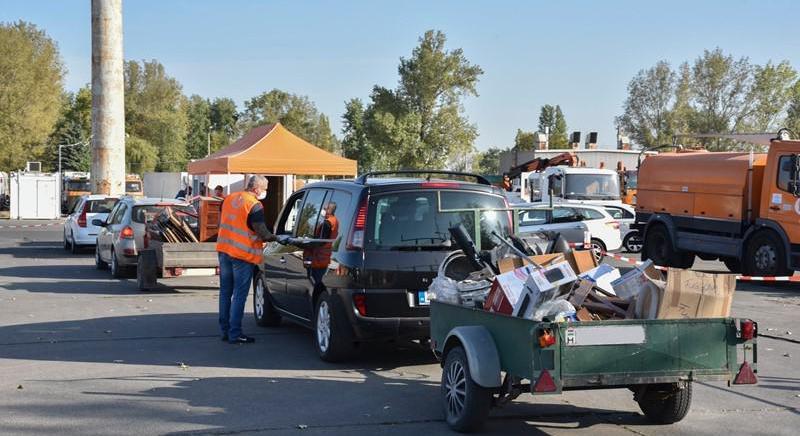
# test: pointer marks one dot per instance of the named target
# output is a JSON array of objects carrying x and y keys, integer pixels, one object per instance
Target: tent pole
[{"x": 228, "y": 184}]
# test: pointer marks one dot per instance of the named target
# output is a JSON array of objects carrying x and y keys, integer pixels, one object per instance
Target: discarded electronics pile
[{"x": 559, "y": 284}]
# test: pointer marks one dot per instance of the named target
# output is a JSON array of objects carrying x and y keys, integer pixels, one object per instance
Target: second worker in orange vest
[{"x": 317, "y": 259}]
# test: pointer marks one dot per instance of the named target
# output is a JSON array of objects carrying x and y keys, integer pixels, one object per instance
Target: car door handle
[
  {"x": 775, "y": 207},
  {"x": 282, "y": 259}
]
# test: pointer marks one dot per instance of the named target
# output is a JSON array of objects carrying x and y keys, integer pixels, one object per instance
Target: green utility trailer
[{"x": 489, "y": 359}]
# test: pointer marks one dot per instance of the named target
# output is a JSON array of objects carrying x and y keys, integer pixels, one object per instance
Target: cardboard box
[
  {"x": 637, "y": 280},
  {"x": 580, "y": 261},
  {"x": 543, "y": 285},
  {"x": 507, "y": 290},
  {"x": 693, "y": 294},
  {"x": 602, "y": 276}
]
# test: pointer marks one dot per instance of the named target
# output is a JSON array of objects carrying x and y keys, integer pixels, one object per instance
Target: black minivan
[{"x": 392, "y": 235}]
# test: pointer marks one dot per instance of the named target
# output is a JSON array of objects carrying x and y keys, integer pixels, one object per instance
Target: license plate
[{"x": 422, "y": 298}]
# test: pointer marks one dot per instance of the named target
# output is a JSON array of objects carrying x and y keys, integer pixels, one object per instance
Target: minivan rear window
[{"x": 412, "y": 220}]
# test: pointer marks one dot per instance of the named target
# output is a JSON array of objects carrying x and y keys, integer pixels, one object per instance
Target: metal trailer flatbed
[
  {"x": 489, "y": 359},
  {"x": 175, "y": 259}
]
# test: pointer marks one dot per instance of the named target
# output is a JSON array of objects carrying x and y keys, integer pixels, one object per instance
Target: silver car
[{"x": 122, "y": 233}]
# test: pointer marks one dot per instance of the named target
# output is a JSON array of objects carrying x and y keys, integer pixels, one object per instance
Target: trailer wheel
[
  {"x": 146, "y": 267},
  {"x": 263, "y": 310},
  {"x": 765, "y": 256},
  {"x": 666, "y": 404},
  {"x": 466, "y": 404}
]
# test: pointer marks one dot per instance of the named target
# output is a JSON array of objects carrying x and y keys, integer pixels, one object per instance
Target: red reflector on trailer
[
  {"x": 746, "y": 376},
  {"x": 747, "y": 328},
  {"x": 545, "y": 382}
]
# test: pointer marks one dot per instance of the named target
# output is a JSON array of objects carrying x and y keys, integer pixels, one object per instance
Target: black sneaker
[{"x": 243, "y": 340}]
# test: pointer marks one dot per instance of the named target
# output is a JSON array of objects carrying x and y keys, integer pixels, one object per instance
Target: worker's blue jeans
[{"x": 235, "y": 278}]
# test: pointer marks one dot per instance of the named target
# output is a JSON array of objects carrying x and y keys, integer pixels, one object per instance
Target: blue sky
[{"x": 578, "y": 54}]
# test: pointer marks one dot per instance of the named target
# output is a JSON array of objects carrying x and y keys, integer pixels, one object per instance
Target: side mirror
[
  {"x": 794, "y": 182},
  {"x": 794, "y": 187},
  {"x": 98, "y": 222}
]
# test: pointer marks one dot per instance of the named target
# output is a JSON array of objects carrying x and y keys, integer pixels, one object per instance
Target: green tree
[
  {"x": 421, "y": 123},
  {"x": 524, "y": 140},
  {"x": 772, "y": 91},
  {"x": 198, "y": 114},
  {"x": 224, "y": 123},
  {"x": 552, "y": 122},
  {"x": 74, "y": 126},
  {"x": 648, "y": 107},
  {"x": 793, "y": 112},
  {"x": 156, "y": 114},
  {"x": 355, "y": 144},
  {"x": 296, "y": 113},
  {"x": 31, "y": 75},
  {"x": 558, "y": 136},
  {"x": 722, "y": 92},
  {"x": 488, "y": 162}
]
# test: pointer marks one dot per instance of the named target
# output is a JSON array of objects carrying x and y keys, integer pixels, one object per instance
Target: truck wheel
[
  {"x": 633, "y": 242},
  {"x": 765, "y": 256},
  {"x": 733, "y": 264},
  {"x": 263, "y": 310},
  {"x": 657, "y": 246},
  {"x": 666, "y": 404},
  {"x": 332, "y": 333},
  {"x": 466, "y": 404}
]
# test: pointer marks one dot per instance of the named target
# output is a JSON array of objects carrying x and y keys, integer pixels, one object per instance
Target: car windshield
[
  {"x": 411, "y": 220},
  {"x": 100, "y": 206},
  {"x": 133, "y": 186},
  {"x": 79, "y": 185},
  {"x": 143, "y": 214},
  {"x": 592, "y": 187}
]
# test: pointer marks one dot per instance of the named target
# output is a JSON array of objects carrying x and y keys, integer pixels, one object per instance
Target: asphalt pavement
[{"x": 82, "y": 353}]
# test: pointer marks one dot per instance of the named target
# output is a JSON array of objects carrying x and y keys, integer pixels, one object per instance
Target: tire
[
  {"x": 666, "y": 404},
  {"x": 633, "y": 242},
  {"x": 146, "y": 265},
  {"x": 67, "y": 245},
  {"x": 765, "y": 255},
  {"x": 733, "y": 264},
  {"x": 658, "y": 248},
  {"x": 598, "y": 248},
  {"x": 265, "y": 313},
  {"x": 73, "y": 246},
  {"x": 98, "y": 263},
  {"x": 333, "y": 336},
  {"x": 117, "y": 271},
  {"x": 467, "y": 409}
]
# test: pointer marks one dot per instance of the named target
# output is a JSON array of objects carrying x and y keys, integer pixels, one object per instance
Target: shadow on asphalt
[{"x": 42, "y": 250}]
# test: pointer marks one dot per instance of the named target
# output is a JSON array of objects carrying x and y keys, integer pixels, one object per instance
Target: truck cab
[
  {"x": 779, "y": 208},
  {"x": 574, "y": 185}
]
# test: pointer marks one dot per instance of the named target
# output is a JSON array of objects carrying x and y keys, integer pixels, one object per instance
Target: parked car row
[{"x": 115, "y": 226}]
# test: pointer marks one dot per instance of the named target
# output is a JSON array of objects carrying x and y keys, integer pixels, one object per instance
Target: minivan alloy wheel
[{"x": 323, "y": 326}]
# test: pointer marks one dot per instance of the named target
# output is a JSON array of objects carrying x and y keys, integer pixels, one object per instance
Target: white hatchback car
[
  {"x": 626, "y": 215},
  {"x": 603, "y": 228},
  {"x": 78, "y": 229}
]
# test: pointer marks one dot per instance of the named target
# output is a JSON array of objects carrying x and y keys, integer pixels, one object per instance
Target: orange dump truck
[{"x": 741, "y": 208}]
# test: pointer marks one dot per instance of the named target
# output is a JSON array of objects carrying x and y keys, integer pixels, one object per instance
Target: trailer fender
[
  {"x": 482, "y": 356},
  {"x": 762, "y": 224}
]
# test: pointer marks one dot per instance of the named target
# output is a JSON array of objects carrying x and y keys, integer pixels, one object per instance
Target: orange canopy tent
[{"x": 272, "y": 149}]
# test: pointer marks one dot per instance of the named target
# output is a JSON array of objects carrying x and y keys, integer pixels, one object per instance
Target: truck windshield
[
  {"x": 410, "y": 220},
  {"x": 592, "y": 187},
  {"x": 79, "y": 185},
  {"x": 133, "y": 186},
  {"x": 631, "y": 179}
]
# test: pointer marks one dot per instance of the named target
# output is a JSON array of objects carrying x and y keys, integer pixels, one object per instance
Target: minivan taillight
[
  {"x": 82, "y": 216},
  {"x": 359, "y": 226}
]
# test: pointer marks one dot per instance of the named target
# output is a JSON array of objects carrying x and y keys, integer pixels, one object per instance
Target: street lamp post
[{"x": 208, "y": 142}]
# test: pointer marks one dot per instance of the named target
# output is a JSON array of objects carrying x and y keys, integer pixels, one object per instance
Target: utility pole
[{"x": 108, "y": 99}]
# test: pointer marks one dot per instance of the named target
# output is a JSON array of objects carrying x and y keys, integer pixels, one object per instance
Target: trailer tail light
[
  {"x": 82, "y": 216},
  {"x": 359, "y": 226},
  {"x": 360, "y": 300},
  {"x": 546, "y": 338},
  {"x": 747, "y": 329},
  {"x": 126, "y": 233}
]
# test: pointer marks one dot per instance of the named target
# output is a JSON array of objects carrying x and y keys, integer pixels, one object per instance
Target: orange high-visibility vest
[
  {"x": 322, "y": 255},
  {"x": 234, "y": 237}
]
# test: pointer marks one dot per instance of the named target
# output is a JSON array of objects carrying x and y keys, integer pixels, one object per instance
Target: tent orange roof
[{"x": 272, "y": 149}]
